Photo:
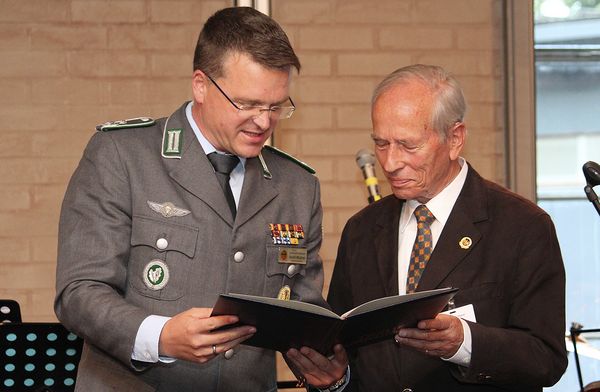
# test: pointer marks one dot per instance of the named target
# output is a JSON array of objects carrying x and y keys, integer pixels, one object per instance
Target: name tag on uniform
[
  {"x": 292, "y": 256},
  {"x": 466, "y": 312}
]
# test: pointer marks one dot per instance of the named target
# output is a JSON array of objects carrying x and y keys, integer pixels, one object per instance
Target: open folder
[{"x": 281, "y": 325}]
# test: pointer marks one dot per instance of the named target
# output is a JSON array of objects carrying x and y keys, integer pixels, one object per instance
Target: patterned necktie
[
  {"x": 421, "y": 249},
  {"x": 224, "y": 164}
]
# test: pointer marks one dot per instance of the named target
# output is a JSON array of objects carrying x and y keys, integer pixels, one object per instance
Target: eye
[
  {"x": 410, "y": 148},
  {"x": 245, "y": 107},
  {"x": 380, "y": 144}
]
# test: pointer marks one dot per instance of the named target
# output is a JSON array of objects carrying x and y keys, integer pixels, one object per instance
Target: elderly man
[{"x": 446, "y": 226}]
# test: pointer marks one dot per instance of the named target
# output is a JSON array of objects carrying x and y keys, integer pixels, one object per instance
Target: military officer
[{"x": 160, "y": 217}]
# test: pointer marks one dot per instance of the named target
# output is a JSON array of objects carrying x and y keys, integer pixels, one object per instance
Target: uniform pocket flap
[
  {"x": 274, "y": 267},
  {"x": 164, "y": 236}
]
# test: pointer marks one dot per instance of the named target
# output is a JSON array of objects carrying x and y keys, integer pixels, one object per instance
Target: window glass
[{"x": 567, "y": 53}]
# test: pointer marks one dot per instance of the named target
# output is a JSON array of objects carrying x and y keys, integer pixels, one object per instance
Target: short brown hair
[{"x": 243, "y": 30}]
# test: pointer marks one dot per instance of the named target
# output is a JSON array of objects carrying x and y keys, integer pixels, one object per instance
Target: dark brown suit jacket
[{"x": 512, "y": 274}]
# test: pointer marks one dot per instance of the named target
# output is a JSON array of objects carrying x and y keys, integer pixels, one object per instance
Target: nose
[
  {"x": 391, "y": 159},
  {"x": 263, "y": 120}
]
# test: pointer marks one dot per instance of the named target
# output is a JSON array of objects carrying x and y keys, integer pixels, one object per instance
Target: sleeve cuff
[
  {"x": 335, "y": 388},
  {"x": 145, "y": 348},
  {"x": 462, "y": 357}
]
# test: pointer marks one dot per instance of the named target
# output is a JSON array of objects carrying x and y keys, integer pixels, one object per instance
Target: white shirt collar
[
  {"x": 440, "y": 205},
  {"x": 206, "y": 145}
]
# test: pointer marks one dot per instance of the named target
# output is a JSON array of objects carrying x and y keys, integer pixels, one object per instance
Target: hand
[
  {"x": 190, "y": 335},
  {"x": 315, "y": 369},
  {"x": 438, "y": 337}
]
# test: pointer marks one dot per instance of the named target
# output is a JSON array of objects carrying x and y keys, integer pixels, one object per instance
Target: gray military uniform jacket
[{"x": 109, "y": 235}]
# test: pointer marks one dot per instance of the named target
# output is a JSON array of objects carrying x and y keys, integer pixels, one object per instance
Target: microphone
[
  {"x": 365, "y": 159},
  {"x": 591, "y": 171}
]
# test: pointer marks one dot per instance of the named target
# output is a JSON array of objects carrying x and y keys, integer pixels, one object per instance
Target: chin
[
  {"x": 404, "y": 195},
  {"x": 249, "y": 152}
]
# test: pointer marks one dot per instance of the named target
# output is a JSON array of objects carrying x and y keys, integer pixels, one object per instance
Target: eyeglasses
[{"x": 254, "y": 111}]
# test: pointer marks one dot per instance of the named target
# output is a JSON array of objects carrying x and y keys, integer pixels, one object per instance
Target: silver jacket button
[
  {"x": 162, "y": 243},
  {"x": 292, "y": 269},
  {"x": 229, "y": 354},
  {"x": 238, "y": 257}
]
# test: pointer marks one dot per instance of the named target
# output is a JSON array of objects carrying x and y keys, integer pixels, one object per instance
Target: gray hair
[{"x": 449, "y": 106}]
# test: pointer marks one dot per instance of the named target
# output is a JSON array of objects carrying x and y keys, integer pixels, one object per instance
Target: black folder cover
[{"x": 282, "y": 325}]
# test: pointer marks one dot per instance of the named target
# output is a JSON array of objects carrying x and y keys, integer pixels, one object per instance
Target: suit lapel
[
  {"x": 193, "y": 170},
  {"x": 386, "y": 245},
  {"x": 470, "y": 208}
]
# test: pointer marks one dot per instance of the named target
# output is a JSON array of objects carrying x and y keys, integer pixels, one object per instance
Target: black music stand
[
  {"x": 10, "y": 311},
  {"x": 38, "y": 357},
  {"x": 576, "y": 330}
]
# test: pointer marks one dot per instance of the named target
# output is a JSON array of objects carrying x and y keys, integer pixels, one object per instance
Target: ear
[
  {"x": 456, "y": 139},
  {"x": 199, "y": 85}
]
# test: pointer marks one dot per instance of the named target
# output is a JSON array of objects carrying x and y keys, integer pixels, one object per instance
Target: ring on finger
[{"x": 214, "y": 348}]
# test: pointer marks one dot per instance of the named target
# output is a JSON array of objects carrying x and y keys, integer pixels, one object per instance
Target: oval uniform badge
[{"x": 156, "y": 275}]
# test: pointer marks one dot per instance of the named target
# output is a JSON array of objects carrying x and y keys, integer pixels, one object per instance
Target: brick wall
[
  {"x": 68, "y": 65},
  {"x": 347, "y": 47}
]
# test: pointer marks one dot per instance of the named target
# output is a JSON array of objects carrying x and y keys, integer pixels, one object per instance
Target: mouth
[
  {"x": 399, "y": 182},
  {"x": 254, "y": 135}
]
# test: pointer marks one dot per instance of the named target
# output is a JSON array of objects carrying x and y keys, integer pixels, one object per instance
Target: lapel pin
[{"x": 465, "y": 242}]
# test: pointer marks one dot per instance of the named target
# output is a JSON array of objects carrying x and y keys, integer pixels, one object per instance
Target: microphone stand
[
  {"x": 591, "y": 171},
  {"x": 576, "y": 330},
  {"x": 592, "y": 196}
]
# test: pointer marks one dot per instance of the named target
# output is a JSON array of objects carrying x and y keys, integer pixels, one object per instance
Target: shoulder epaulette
[
  {"x": 138, "y": 122},
  {"x": 289, "y": 157}
]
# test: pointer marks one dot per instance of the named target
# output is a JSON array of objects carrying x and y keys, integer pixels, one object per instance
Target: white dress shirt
[{"x": 440, "y": 206}]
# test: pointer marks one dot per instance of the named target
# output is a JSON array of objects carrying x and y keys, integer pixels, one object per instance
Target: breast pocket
[
  {"x": 280, "y": 274},
  {"x": 161, "y": 258}
]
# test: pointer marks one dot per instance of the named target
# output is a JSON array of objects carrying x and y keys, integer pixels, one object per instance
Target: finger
[
  {"x": 436, "y": 343},
  {"x": 442, "y": 321},
  {"x": 231, "y": 335},
  {"x": 221, "y": 348},
  {"x": 316, "y": 368},
  {"x": 216, "y": 322},
  {"x": 302, "y": 363},
  {"x": 298, "y": 359},
  {"x": 317, "y": 359},
  {"x": 422, "y": 338},
  {"x": 210, "y": 350},
  {"x": 409, "y": 342},
  {"x": 411, "y": 333},
  {"x": 340, "y": 357}
]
